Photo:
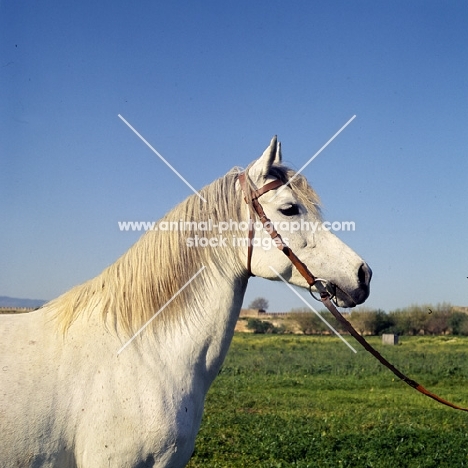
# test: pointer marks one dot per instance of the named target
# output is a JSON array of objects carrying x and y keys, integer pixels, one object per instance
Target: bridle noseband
[{"x": 325, "y": 289}]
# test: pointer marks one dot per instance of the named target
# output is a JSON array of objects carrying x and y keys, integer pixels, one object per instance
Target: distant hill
[{"x": 6, "y": 301}]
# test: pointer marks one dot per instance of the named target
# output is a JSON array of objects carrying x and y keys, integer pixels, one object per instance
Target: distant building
[{"x": 389, "y": 339}]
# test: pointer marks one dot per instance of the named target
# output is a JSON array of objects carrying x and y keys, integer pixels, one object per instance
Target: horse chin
[{"x": 351, "y": 299}]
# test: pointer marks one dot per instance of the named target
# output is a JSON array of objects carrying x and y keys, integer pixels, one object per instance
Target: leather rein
[{"x": 255, "y": 209}]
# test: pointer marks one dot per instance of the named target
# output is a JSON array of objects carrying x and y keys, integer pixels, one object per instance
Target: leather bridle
[{"x": 324, "y": 288}]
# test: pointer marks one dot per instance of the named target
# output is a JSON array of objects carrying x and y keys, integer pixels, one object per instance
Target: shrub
[
  {"x": 308, "y": 322},
  {"x": 262, "y": 326},
  {"x": 256, "y": 325},
  {"x": 458, "y": 322}
]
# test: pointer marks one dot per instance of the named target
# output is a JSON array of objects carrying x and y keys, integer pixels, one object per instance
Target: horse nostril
[{"x": 364, "y": 274}]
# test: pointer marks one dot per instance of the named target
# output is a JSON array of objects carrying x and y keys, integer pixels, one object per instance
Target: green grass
[{"x": 298, "y": 401}]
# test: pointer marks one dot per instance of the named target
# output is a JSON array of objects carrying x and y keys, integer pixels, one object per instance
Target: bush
[
  {"x": 458, "y": 322},
  {"x": 308, "y": 322},
  {"x": 413, "y": 320},
  {"x": 263, "y": 326}
]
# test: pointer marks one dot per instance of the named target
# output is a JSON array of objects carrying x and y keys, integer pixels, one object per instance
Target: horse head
[{"x": 292, "y": 208}]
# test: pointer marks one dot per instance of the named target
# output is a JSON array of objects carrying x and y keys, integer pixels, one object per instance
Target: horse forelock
[{"x": 151, "y": 273}]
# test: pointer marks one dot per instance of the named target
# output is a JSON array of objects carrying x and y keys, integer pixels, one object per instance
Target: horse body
[
  {"x": 75, "y": 394},
  {"x": 74, "y": 402}
]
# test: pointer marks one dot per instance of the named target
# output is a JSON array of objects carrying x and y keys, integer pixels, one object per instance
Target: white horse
[{"x": 74, "y": 393}]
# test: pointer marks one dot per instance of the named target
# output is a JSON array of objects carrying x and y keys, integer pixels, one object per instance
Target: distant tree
[
  {"x": 310, "y": 324},
  {"x": 362, "y": 319},
  {"x": 372, "y": 322},
  {"x": 459, "y": 323},
  {"x": 402, "y": 320},
  {"x": 259, "y": 303},
  {"x": 412, "y": 320},
  {"x": 307, "y": 321},
  {"x": 427, "y": 319},
  {"x": 438, "y": 322},
  {"x": 382, "y": 322}
]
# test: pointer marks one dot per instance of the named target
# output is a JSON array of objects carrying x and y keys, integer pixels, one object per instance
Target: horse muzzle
[{"x": 341, "y": 296}]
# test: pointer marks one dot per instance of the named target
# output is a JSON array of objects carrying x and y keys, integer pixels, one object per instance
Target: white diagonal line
[
  {"x": 161, "y": 309},
  {"x": 162, "y": 158},
  {"x": 313, "y": 157},
  {"x": 312, "y": 309}
]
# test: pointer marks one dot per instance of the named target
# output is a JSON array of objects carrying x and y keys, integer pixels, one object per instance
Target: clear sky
[{"x": 208, "y": 83}]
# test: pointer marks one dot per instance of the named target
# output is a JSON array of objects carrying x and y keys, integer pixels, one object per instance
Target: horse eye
[{"x": 291, "y": 210}]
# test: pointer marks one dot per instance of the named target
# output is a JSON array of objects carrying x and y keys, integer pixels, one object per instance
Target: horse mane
[{"x": 133, "y": 289}]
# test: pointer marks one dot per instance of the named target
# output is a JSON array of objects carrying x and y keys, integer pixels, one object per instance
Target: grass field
[{"x": 299, "y": 401}]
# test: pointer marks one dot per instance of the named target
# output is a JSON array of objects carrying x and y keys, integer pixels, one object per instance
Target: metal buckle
[{"x": 324, "y": 288}]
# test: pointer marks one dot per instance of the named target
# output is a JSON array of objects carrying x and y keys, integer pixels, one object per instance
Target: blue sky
[{"x": 208, "y": 84}]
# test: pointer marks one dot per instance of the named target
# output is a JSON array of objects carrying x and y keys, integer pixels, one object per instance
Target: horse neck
[
  {"x": 153, "y": 287},
  {"x": 199, "y": 324},
  {"x": 195, "y": 344}
]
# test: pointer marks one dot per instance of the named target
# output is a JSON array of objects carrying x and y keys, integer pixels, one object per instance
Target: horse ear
[{"x": 272, "y": 155}]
